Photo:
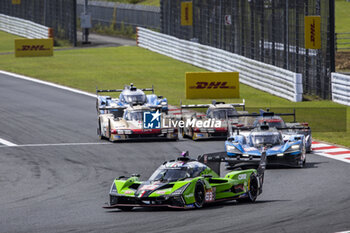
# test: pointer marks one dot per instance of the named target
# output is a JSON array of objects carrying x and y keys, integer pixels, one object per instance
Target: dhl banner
[
  {"x": 186, "y": 14},
  {"x": 33, "y": 47},
  {"x": 212, "y": 85},
  {"x": 312, "y": 32},
  {"x": 16, "y": 2}
]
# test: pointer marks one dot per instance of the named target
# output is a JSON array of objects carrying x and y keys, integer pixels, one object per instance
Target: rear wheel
[
  {"x": 99, "y": 130},
  {"x": 199, "y": 194},
  {"x": 253, "y": 189},
  {"x": 303, "y": 157},
  {"x": 109, "y": 130}
]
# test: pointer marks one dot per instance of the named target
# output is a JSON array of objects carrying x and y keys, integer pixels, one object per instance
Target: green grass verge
[
  {"x": 113, "y": 67},
  {"x": 342, "y": 22},
  {"x": 7, "y": 43}
]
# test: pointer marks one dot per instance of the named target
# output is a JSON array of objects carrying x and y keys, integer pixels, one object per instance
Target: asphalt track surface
[{"x": 47, "y": 185}]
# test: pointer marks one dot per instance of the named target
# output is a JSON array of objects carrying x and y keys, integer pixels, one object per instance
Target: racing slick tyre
[
  {"x": 303, "y": 157},
  {"x": 253, "y": 190},
  {"x": 199, "y": 194},
  {"x": 99, "y": 130},
  {"x": 109, "y": 131}
]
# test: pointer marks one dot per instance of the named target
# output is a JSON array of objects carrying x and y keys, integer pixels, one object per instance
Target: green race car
[{"x": 187, "y": 183}]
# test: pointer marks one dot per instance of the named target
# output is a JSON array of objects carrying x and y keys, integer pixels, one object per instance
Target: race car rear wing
[
  {"x": 214, "y": 160},
  {"x": 120, "y": 90},
  {"x": 117, "y": 108},
  {"x": 268, "y": 113},
  {"x": 208, "y": 105},
  {"x": 110, "y": 109},
  {"x": 214, "y": 102}
]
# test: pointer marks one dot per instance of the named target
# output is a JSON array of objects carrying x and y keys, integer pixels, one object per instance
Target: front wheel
[{"x": 199, "y": 194}]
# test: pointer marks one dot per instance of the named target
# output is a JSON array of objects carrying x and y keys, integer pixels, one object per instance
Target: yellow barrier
[
  {"x": 33, "y": 47},
  {"x": 312, "y": 32},
  {"x": 212, "y": 85}
]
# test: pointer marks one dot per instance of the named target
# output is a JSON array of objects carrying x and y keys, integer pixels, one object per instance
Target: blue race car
[
  {"x": 130, "y": 96},
  {"x": 247, "y": 149},
  {"x": 287, "y": 129}
]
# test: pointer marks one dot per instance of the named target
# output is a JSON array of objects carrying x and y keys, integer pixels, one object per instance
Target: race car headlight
[
  {"x": 181, "y": 190},
  {"x": 293, "y": 148},
  {"x": 164, "y": 103},
  {"x": 232, "y": 149},
  {"x": 113, "y": 189}
]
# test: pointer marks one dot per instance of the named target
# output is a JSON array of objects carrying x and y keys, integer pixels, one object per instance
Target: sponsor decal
[
  {"x": 190, "y": 205},
  {"x": 152, "y": 120},
  {"x": 149, "y": 187},
  {"x": 242, "y": 176},
  {"x": 249, "y": 149},
  {"x": 128, "y": 192},
  {"x": 212, "y": 85},
  {"x": 312, "y": 32},
  {"x": 33, "y": 47},
  {"x": 210, "y": 195},
  {"x": 160, "y": 192},
  {"x": 186, "y": 14}
]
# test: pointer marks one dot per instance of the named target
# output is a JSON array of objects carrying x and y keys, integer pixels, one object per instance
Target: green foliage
[{"x": 112, "y": 29}]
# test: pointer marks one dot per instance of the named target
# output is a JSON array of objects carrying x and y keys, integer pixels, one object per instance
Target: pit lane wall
[
  {"x": 341, "y": 88},
  {"x": 265, "y": 77},
  {"x": 22, "y": 27}
]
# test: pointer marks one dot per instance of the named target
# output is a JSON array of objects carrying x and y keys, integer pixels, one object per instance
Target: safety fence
[
  {"x": 60, "y": 15},
  {"x": 117, "y": 14},
  {"x": 22, "y": 27},
  {"x": 270, "y": 31},
  {"x": 265, "y": 77},
  {"x": 342, "y": 41},
  {"x": 341, "y": 88}
]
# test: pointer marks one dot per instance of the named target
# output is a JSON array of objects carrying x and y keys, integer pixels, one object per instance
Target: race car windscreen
[
  {"x": 272, "y": 122},
  {"x": 266, "y": 139},
  {"x": 169, "y": 174},
  {"x": 135, "y": 99},
  {"x": 134, "y": 116},
  {"x": 222, "y": 113}
]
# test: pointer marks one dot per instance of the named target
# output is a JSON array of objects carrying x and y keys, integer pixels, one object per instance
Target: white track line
[
  {"x": 47, "y": 83},
  {"x": 61, "y": 144},
  {"x": 7, "y": 143}
]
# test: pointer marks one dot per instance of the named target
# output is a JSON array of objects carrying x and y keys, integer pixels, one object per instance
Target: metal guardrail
[
  {"x": 342, "y": 41},
  {"x": 265, "y": 77},
  {"x": 22, "y": 27},
  {"x": 341, "y": 88}
]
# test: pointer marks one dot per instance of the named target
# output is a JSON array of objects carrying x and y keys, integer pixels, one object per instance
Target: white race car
[{"x": 131, "y": 125}]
